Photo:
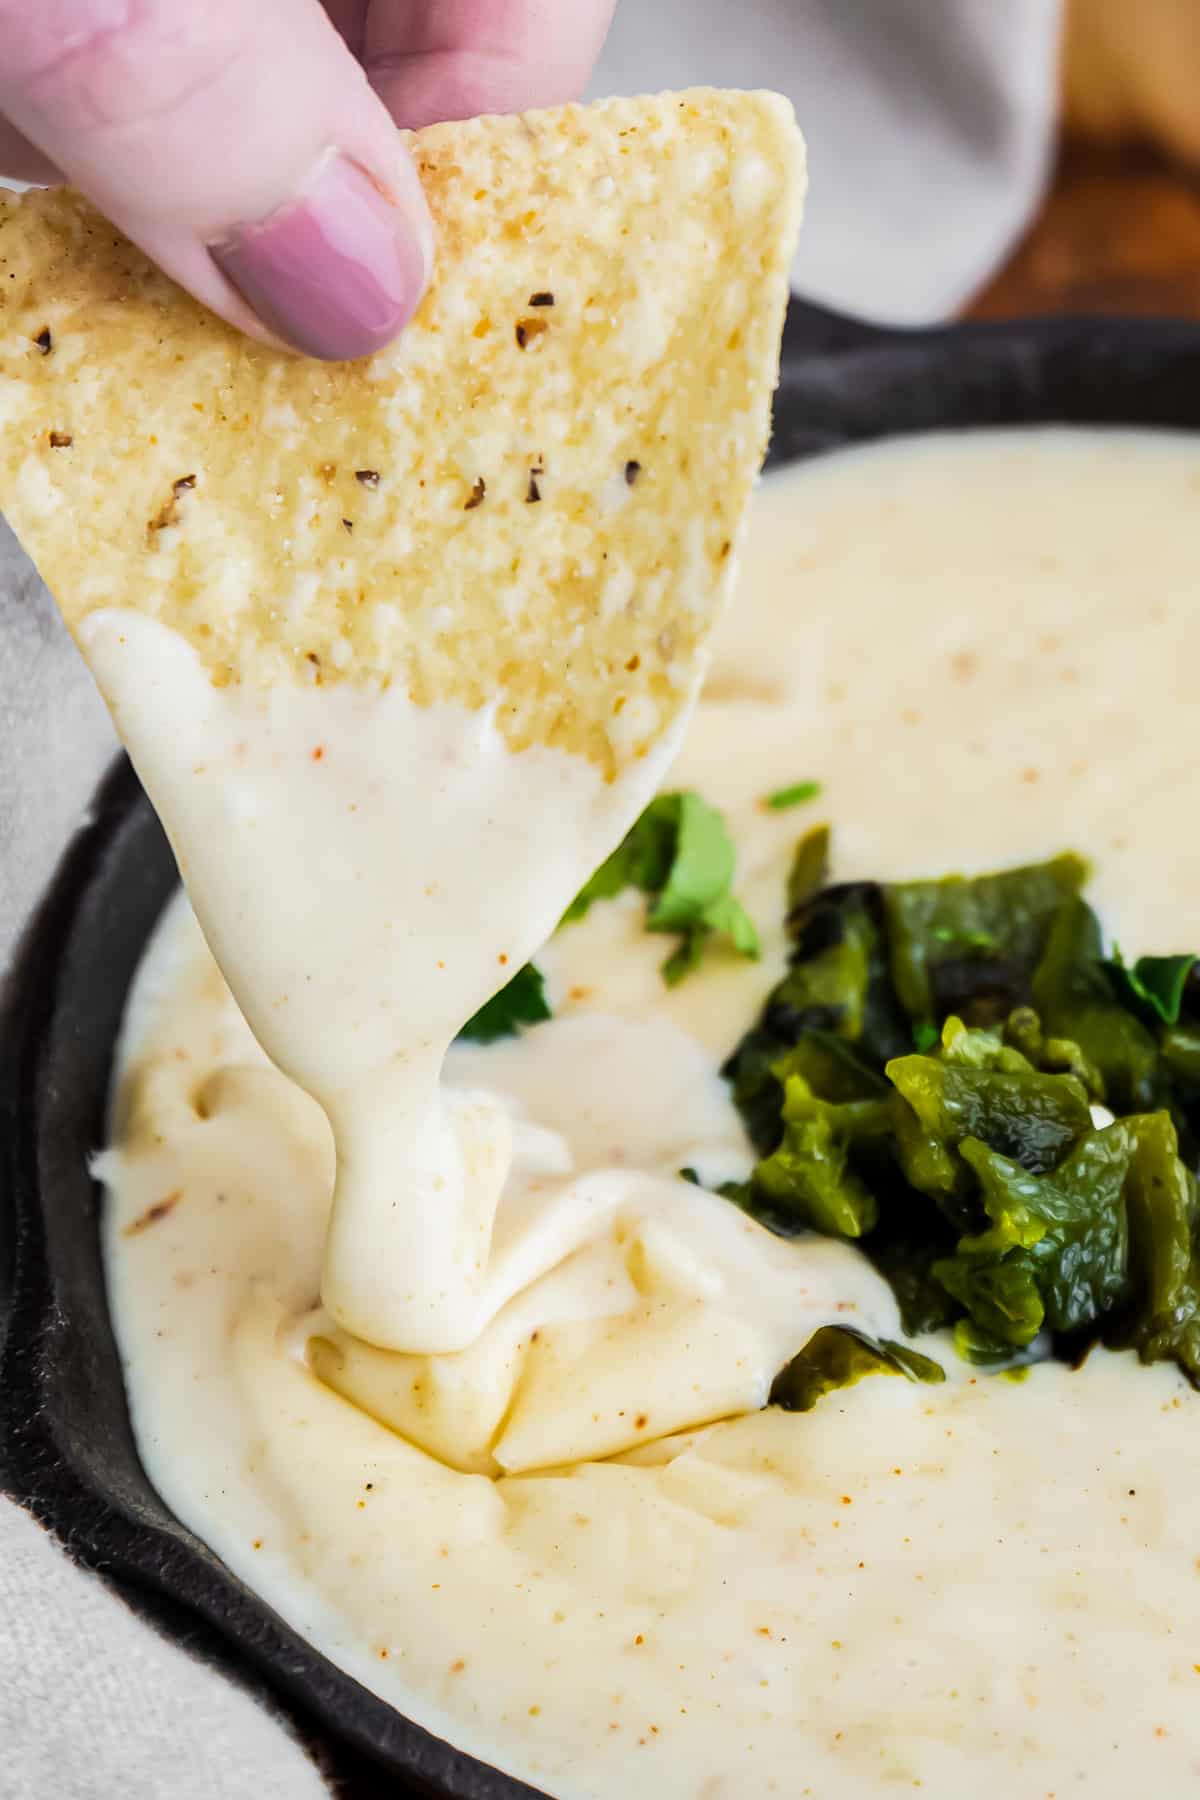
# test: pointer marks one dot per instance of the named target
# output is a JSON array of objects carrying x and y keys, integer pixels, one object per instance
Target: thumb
[{"x": 237, "y": 142}]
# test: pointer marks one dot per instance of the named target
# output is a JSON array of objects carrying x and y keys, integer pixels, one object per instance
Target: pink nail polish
[{"x": 337, "y": 271}]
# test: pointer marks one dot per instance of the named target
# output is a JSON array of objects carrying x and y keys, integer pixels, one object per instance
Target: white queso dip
[{"x": 518, "y": 1475}]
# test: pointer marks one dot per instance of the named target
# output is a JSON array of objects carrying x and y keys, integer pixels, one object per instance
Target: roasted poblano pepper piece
[
  {"x": 1074, "y": 999},
  {"x": 836, "y": 1358},
  {"x": 809, "y": 1177},
  {"x": 910, "y": 1240},
  {"x": 979, "y": 1087},
  {"x": 1163, "y": 1320},
  {"x": 1070, "y": 1225},
  {"x": 923, "y": 1081},
  {"x": 960, "y": 938}
]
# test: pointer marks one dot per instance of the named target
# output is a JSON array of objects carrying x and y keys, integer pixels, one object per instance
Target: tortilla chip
[{"x": 533, "y": 496}]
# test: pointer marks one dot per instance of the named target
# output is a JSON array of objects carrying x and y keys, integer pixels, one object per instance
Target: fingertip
[
  {"x": 312, "y": 231},
  {"x": 339, "y": 270}
]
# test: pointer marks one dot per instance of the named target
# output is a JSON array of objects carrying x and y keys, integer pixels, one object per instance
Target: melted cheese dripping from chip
[{"x": 368, "y": 873}]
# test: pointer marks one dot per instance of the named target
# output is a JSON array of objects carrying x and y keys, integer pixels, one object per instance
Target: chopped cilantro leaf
[
  {"x": 1153, "y": 986},
  {"x": 522, "y": 1001},
  {"x": 642, "y": 859},
  {"x": 798, "y": 794},
  {"x": 680, "y": 855},
  {"x": 701, "y": 867},
  {"x": 810, "y": 867}
]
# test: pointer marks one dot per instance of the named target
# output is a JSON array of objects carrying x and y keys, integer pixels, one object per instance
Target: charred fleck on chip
[
  {"x": 529, "y": 330},
  {"x": 476, "y": 496},
  {"x": 61, "y": 440},
  {"x": 533, "y": 492},
  {"x": 632, "y": 471},
  {"x": 349, "y": 524},
  {"x": 368, "y": 477},
  {"x": 543, "y": 298},
  {"x": 168, "y": 512},
  {"x": 44, "y": 341}
]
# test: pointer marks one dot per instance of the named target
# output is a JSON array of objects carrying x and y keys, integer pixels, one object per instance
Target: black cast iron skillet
[{"x": 66, "y": 1449}]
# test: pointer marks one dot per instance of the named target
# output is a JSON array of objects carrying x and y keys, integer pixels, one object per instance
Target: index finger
[{"x": 450, "y": 59}]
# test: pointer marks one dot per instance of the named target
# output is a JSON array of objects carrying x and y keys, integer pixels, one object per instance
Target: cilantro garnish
[
  {"x": 1153, "y": 986},
  {"x": 680, "y": 855},
  {"x": 522, "y": 1001},
  {"x": 798, "y": 794},
  {"x": 642, "y": 859}
]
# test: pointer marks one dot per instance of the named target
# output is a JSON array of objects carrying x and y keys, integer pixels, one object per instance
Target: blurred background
[
  {"x": 967, "y": 157},
  {"x": 1119, "y": 228}
]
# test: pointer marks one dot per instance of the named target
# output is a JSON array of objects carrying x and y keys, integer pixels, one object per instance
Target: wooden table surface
[{"x": 1119, "y": 233}]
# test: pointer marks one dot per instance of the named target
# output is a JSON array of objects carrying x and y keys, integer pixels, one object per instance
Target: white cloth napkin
[
  {"x": 94, "y": 1705},
  {"x": 929, "y": 124}
]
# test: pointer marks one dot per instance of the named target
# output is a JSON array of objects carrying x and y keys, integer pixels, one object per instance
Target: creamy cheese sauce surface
[{"x": 539, "y": 1510}]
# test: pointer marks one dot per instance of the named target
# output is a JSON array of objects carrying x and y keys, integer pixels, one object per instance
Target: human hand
[{"x": 249, "y": 146}]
